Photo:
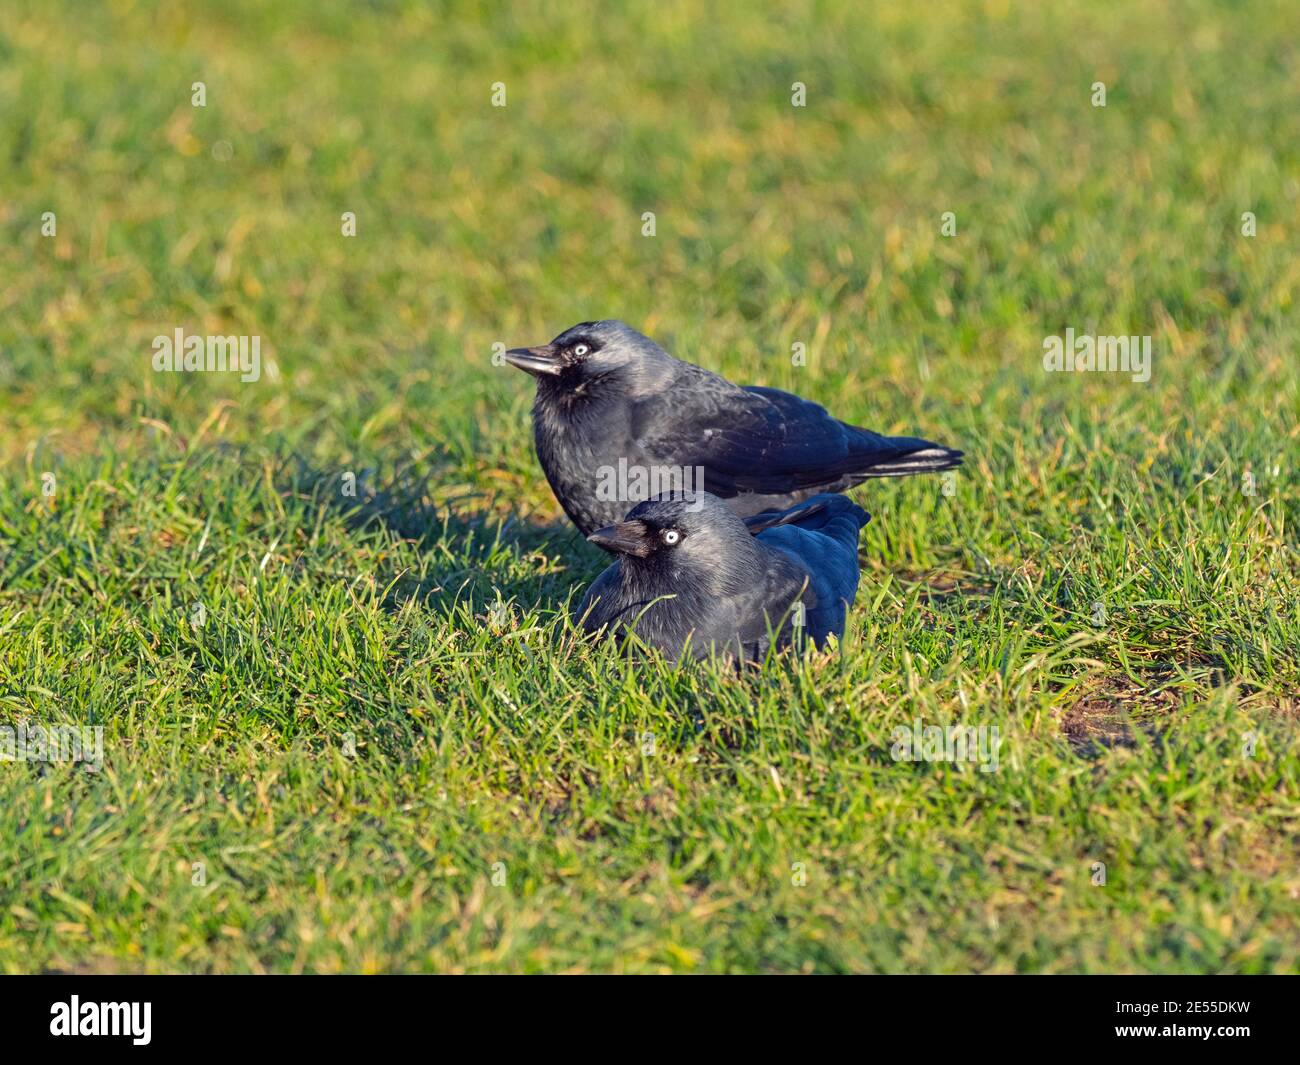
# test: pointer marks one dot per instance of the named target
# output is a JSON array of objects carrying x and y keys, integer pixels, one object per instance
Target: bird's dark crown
[
  {"x": 694, "y": 529},
  {"x": 687, "y": 512},
  {"x": 597, "y": 336},
  {"x": 590, "y": 351}
]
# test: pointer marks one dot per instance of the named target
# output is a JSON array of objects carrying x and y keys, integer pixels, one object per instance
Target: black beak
[
  {"x": 536, "y": 361},
  {"x": 625, "y": 538}
]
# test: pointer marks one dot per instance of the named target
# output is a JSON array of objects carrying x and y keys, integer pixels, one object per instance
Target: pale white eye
[
  {"x": 671, "y": 536},
  {"x": 581, "y": 350}
]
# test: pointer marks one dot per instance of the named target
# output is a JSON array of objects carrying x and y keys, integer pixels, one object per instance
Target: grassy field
[{"x": 356, "y": 733}]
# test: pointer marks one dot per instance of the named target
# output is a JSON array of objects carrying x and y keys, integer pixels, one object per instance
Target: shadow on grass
[{"x": 465, "y": 536}]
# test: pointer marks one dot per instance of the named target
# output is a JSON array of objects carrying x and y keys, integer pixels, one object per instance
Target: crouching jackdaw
[{"x": 690, "y": 573}]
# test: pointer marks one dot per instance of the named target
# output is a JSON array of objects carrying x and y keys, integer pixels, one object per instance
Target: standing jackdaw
[{"x": 610, "y": 399}]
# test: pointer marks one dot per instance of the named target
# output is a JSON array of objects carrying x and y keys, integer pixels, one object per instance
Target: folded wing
[{"x": 765, "y": 441}]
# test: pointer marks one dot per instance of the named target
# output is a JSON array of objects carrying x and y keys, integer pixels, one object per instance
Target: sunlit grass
[{"x": 385, "y": 747}]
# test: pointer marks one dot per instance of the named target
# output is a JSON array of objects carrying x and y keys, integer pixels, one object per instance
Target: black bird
[
  {"x": 610, "y": 399},
  {"x": 689, "y": 569}
]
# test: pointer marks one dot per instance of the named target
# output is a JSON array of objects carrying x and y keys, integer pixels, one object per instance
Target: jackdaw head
[
  {"x": 678, "y": 531},
  {"x": 589, "y": 351}
]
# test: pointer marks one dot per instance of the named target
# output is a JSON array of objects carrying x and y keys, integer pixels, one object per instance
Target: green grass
[{"x": 646, "y": 817}]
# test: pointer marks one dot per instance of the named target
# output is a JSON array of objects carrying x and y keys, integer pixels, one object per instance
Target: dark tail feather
[{"x": 929, "y": 458}]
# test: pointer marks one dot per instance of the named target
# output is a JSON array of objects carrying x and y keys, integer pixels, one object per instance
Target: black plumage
[
  {"x": 606, "y": 394},
  {"x": 692, "y": 575}
]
